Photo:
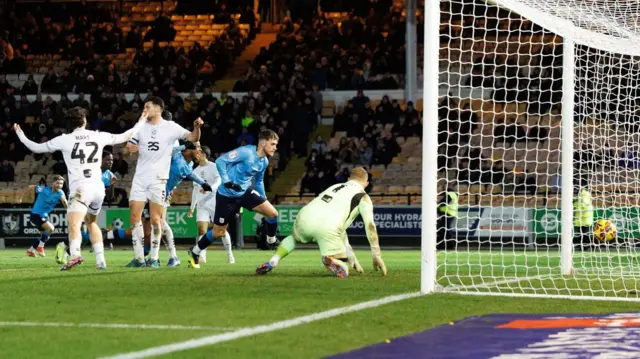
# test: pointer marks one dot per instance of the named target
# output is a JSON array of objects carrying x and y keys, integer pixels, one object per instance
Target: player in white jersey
[
  {"x": 325, "y": 221},
  {"x": 205, "y": 203},
  {"x": 155, "y": 145},
  {"x": 82, "y": 152}
]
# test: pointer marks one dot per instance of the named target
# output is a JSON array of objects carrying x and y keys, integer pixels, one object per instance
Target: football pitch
[{"x": 230, "y": 312}]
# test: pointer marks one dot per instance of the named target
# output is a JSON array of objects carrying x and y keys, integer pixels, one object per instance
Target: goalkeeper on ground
[{"x": 325, "y": 221}]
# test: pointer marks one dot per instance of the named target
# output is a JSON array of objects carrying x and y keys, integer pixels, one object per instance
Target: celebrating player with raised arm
[
  {"x": 205, "y": 203},
  {"x": 325, "y": 221},
  {"x": 242, "y": 172},
  {"x": 156, "y": 140},
  {"x": 82, "y": 152},
  {"x": 48, "y": 197}
]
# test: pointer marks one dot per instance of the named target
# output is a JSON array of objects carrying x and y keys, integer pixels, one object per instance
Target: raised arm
[
  {"x": 130, "y": 133},
  {"x": 366, "y": 211},
  {"x": 32, "y": 146},
  {"x": 194, "y": 136},
  {"x": 177, "y": 149}
]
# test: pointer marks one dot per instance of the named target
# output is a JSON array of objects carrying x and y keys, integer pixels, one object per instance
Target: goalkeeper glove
[
  {"x": 233, "y": 186},
  {"x": 205, "y": 186},
  {"x": 378, "y": 263},
  {"x": 353, "y": 263}
]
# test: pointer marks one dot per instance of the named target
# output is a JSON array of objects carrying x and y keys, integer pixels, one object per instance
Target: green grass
[{"x": 230, "y": 296}]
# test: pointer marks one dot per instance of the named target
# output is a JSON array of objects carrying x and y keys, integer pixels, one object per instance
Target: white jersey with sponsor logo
[
  {"x": 82, "y": 152},
  {"x": 209, "y": 173},
  {"x": 155, "y": 145}
]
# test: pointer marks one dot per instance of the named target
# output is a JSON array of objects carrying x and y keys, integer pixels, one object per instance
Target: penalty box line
[
  {"x": 114, "y": 326},
  {"x": 251, "y": 331}
]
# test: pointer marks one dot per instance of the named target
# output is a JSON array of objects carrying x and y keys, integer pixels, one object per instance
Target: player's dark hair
[
  {"x": 188, "y": 145},
  {"x": 206, "y": 150},
  {"x": 156, "y": 101},
  {"x": 166, "y": 115},
  {"x": 75, "y": 117},
  {"x": 105, "y": 154},
  {"x": 268, "y": 135}
]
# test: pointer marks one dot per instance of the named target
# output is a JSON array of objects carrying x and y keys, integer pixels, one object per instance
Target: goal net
[{"x": 538, "y": 107}]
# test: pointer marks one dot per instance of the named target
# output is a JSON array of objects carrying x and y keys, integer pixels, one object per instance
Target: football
[
  {"x": 117, "y": 223},
  {"x": 604, "y": 230}
]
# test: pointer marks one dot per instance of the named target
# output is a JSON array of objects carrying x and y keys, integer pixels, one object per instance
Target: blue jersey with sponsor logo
[
  {"x": 179, "y": 170},
  {"x": 107, "y": 175},
  {"x": 46, "y": 201},
  {"x": 243, "y": 167}
]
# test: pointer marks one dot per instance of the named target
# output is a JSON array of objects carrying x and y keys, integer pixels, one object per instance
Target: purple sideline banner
[{"x": 514, "y": 336}]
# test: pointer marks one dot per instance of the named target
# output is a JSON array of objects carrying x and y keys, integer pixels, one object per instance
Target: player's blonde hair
[
  {"x": 57, "y": 178},
  {"x": 359, "y": 174}
]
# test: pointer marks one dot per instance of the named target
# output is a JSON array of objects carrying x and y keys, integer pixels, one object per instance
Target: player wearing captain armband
[
  {"x": 325, "y": 221},
  {"x": 242, "y": 172},
  {"x": 46, "y": 201},
  {"x": 205, "y": 203},
  {"x": 181, "y": 168},
  {"x": 82, "y": 150}
]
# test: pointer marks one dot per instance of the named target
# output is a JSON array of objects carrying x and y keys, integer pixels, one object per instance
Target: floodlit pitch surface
[{"x": 231, "y": 313}]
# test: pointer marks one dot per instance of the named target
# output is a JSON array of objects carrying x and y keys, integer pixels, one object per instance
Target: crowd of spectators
[
  {"x": 365, "y": 50},
  {"x": 370, "y": 139},
  {"x": 228, "y": 122},
  {"x": 70, "y": 34}
]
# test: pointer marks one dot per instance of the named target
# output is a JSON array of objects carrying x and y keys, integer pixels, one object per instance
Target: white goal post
[{"x": 530, "y": 105}]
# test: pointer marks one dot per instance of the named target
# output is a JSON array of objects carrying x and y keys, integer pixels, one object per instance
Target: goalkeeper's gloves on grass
[
  {"x": 354, "y": 264},
  {"x": 205, "y": 186},
  {"x": 378, "y": 263},
  {"x": 233, "y": 186}
]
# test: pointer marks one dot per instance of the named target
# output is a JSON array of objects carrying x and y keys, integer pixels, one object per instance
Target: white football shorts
[
  {"x": 144, "y": 189},
  {"x": 87, "y": 197},
  {"x": 205, "y": 213}
]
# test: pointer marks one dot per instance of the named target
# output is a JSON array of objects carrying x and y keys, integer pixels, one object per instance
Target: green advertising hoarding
[
  {"x": 286, "y": 217},
  {"x": 547, "y": 222},
  {"x": 182, "y": 226}
]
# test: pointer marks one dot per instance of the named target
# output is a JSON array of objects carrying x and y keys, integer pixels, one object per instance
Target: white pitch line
[
  {"x": 112, "y": 325},
  {"x": 247, "y": 332}
]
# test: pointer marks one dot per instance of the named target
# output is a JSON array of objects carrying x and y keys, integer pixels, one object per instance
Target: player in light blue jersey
[
  {"x": 242, "y": 172},
  {"x": 48, "y": 198}
]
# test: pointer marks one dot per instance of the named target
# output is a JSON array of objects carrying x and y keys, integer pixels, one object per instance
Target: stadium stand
[
  {"x": 142, "y": 41},
  {"x": 364, "y": 48}
]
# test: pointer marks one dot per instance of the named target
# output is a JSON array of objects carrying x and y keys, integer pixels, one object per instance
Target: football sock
[
  {"x": 156, "y": 234},
  {"x": 43, "y": 239},
  {"x": 203, "y": 243},
  {"x": 272, "y": 228},
  {"x": 137, "y": 236},
  {"x": 226, "y": 241},
  {"x": 66, "y": 246},
  {"x": 286, "y": 246},
  {"x": 98, "y": 249},
  {"x": 171, "y": 243},
  {"x": 74, "y": 247}
]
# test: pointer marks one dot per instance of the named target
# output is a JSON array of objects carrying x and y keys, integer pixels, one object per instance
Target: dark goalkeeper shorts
[{"x": 227, "y": 207}]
